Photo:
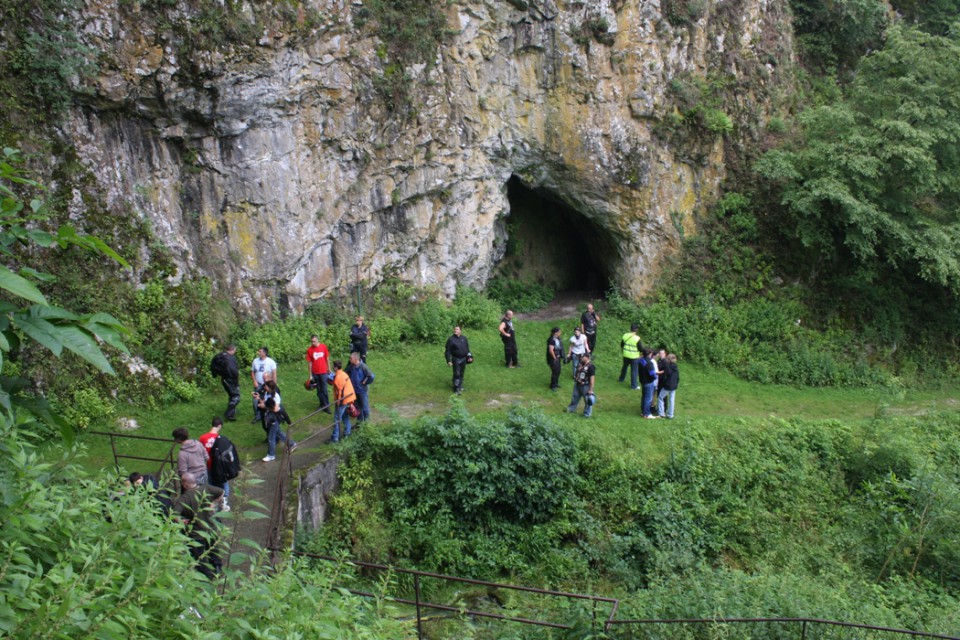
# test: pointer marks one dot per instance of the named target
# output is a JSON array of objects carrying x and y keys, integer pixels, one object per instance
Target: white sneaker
[
  {"x": 224, "y": 506},
  {"x": 269, "y": 458}
]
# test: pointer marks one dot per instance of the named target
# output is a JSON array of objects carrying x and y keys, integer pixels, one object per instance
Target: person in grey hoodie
[{"x": 193, "y": 456}]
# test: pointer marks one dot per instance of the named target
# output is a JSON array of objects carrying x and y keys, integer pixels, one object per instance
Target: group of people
[
  {"x": 206, "y": 465},
  {"x": 350, "y": 386},
  {"x": 654, "y": 373}
]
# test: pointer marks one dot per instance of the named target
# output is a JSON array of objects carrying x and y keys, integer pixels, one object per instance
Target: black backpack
[
  {"x": 217, "y": 365},
  {"x": 224, "y": 460}
]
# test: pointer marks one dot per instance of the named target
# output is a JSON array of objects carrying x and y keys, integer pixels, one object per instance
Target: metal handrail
[
  {"x": 164, "y": 461},
  {"x": 802, "y": 621},
  {"x": 278, "y": 506},
  {"x": 608, "y": 625},
  {"x": 419, "y": 603}
]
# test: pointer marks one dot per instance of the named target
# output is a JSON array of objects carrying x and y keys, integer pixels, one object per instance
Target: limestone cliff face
[{"x": 277, "y": 169}]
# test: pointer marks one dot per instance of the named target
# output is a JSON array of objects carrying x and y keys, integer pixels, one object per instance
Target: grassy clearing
[{"x": 416, "y": 382}]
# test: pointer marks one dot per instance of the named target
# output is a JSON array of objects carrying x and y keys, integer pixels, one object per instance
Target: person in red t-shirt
[{"x": 318, "y": 359}]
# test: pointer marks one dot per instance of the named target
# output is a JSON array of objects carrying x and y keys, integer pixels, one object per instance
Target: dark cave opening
[{"x": 552, "y": 243}]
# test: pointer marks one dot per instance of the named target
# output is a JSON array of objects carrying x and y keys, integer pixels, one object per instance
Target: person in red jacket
[
  {"x": 318, "y": 359},
  {"x": 343, "y": 396}
]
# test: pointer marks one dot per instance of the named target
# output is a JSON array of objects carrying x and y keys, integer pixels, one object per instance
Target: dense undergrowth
[{"x": 781, "y": 518}]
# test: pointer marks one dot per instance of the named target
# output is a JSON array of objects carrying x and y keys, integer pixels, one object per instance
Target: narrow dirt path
[{"x": 257, "y": 486}]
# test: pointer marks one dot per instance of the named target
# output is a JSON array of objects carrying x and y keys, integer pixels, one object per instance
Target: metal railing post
[
  {"x": 113, "y": 447},
  {"x": 416, "y": 591},
  {"x": 803, "y": 630}
]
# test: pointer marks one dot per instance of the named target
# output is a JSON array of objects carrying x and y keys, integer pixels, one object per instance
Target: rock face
[{"x": 277, "y": 170}]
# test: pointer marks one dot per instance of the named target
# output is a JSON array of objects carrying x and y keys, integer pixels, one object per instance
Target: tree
[{"x": 875, "y": 178}]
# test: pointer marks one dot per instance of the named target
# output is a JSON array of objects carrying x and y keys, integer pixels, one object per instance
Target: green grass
[{"x": 417, "y": 382}]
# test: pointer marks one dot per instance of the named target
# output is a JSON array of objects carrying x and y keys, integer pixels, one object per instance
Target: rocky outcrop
[{"x": 277, "y": 169}]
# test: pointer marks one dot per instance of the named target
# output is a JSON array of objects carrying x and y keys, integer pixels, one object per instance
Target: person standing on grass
[
  {"x": 361, "y": 377},
  {"x": 359, "y": 338},
  {"x": 274, "y": 434},
  {"x": 318, "y": 366},
  {"x": 554, "y": 357},
  {"x": 578, "y": 346},
  {"x": 263, "y": 368},
  {"x": 648, "y": 380},
  {"x": 668, "y": 391},
  {"x": 509, "y": 337},
  {"x": 661, "y": 361},
  {"x": 224, "y": 366},
  {"x": 343, "y": 395},
  {"x": 588, "y": 325},
  {"x": 630, "y": 347},
  {"x": 192, "y": 457},
  {"x": 583, "y": 379},
  {"x": 457, "y": 352}
]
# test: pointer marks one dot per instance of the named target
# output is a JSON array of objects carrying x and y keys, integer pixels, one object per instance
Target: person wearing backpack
[
  {"x": 224, "y": 461},
  {"x": 224, "y": 366}
]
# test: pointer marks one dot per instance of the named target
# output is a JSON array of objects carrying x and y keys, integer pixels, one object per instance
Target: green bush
[
  {"x": 522, "y": 296},
  {"x": 762, "y": 339},
  {"x": 84, "y": 559},
  {"x": 389, "y": 333},
  {"x": 471, "y": 309},
  {"x": 86, "y": 406},
  {"x": 431, "y": 321},
  {"x": 184, "y": 390},
  {"x": 462, "y": 494}
]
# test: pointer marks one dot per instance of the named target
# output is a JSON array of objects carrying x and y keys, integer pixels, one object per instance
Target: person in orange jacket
[{"x": 343, "y": 397}]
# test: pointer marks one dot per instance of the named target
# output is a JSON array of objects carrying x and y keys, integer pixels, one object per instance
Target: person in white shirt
[
  {"x": 263, "y": 368},
  {"x": 578, "y": 347}
]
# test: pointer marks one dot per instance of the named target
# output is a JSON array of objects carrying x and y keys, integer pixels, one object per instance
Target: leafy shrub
[
  {"x": 288, "y": 339},
  {"x": 519, "y": 295},
  {"x": 389, "y": 333},
  {"x": 81, "y": 559},
  {"x": 431, "y": 321},
  {"x": 472, "y": 309},
  {"x": 762, "y": 339},
  {"x": 87, "y": 406},
  {"x": 445, "y": 482},
  {"x": 185, "y": 390}
]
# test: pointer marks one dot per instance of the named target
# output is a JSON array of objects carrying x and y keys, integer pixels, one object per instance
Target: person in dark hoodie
[
  {"x": 193, "y": 456},
  {"x": 668, "y": 392},
  {"x": 457, "y": 351}
]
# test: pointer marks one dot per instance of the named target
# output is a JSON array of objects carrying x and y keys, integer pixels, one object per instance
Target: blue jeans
[
  {"x": 575, "y": 358},
  {"x": 363, "y": 402},
  {"x": 647, "y": 401},
  {"x": 226, "y": 488},
  {"x": 664, "y": 393},
  {"x": 320, "y": 379},
  {"x": 341, "y": 416},
  {"x": 580, "y": 391},
  {"x": 272, "y": 436}
]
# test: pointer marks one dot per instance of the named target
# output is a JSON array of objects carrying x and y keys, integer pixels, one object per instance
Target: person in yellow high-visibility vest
[{"x": 630, "y": 346}]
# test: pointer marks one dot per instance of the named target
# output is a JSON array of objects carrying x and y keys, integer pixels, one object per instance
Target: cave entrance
[{"x": 550, "y": 242}]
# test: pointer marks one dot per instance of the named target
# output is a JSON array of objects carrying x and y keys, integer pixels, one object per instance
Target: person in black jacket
[
  {"x": 359, "y": 338},
  {"x": 457, "y": 353},
  {"x": 554, "y": 357},
  {"x": 671, "y": 380},
  {"x": 224, "y": 365}
]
